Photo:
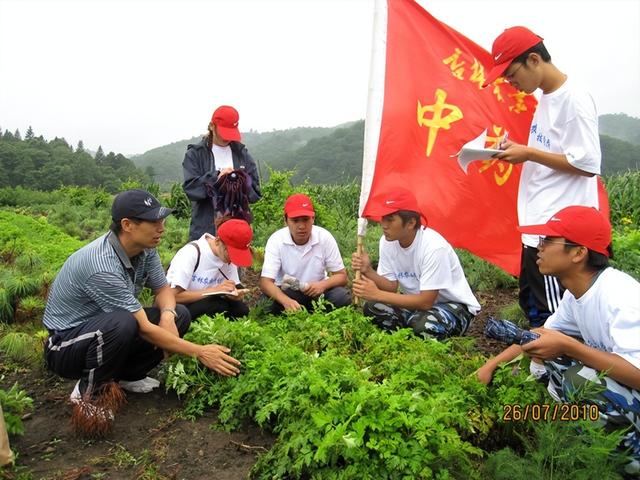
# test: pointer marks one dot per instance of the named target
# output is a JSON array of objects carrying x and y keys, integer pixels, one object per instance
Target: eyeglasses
[
  {"x": 509, "y": 77},
  {"x": 544, "y": 241}
]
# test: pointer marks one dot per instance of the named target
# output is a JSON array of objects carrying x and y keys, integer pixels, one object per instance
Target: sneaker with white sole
[
  {"x": 75, "y": 396},
  {"x": 144, "y": 385}
]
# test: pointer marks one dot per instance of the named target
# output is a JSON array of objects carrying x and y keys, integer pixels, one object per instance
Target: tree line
[
  {"x": 321, "y": 155},
  {"x": 38, "y": 164},
  {"x": 334, "y": 155}
]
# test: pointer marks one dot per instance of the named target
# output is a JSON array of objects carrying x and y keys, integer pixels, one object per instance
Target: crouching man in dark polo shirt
[{"x": 99, "y": 332}]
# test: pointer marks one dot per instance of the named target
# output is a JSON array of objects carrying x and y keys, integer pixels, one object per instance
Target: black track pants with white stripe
[
  {"x": 539, "y": 294},
  {"x": 107, "y": 347}
]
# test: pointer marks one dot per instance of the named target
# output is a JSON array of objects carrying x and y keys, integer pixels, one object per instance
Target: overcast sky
[{"x": 132, "y": 75}]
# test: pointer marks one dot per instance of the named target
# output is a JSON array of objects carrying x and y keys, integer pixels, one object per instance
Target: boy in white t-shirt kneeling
[
  {"x": 298, "y": 259},
  {"x": 435, "y": 299},
  {"x": 593, "y": 338}
]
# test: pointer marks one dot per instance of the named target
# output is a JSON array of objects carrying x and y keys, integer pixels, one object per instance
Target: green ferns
[{"x": 347, "y": 400}]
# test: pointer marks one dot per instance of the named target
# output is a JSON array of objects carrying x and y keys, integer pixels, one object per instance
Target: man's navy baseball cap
[{"x": 140, "y": 204}]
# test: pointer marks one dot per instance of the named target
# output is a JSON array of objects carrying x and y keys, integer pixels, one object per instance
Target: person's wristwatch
[{"x": 175, "y": 315}]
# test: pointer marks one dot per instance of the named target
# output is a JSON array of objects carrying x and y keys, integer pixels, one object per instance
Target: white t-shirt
[
  {"x": 210, "y": 269},
  {"x": 565, "y": 122},
  {"x": 607, "y": 316},
  {"x": 222, "y": 156},
  {"x": 429, "y": 263},
  {"x": 308, "y": 263}
]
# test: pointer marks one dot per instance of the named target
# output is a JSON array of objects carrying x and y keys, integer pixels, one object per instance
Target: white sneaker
[
  {"x": 140, "y": 386},
  {"x": 75, "y": 396},
  {"x": 538, "y": 370}
]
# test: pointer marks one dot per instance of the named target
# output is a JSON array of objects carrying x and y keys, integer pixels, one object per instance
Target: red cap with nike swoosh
[
  {"x": 391, "y": 202},
  {"x": 584, "y": 226},
  {"x": 510, "y": 44},
  {"x": 299, "y": 205}
]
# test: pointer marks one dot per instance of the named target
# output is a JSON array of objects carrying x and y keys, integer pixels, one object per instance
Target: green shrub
[
  {"x": 580, "y": 451},
  {"x": 179, "y": 201},
  {"x": 35, "y": 235},
  {"x": 30, "y": 308},
  {"x": 348, "y": 400},
  {"x": 624, "y": 198},
  {"x": 626, "y": 251},
  {"x": 6, "y": 306},
  {"x": 15, "y": 403},
  {"x": 22, "y": 348}
]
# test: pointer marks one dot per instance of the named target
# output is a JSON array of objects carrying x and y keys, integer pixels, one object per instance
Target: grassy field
[{"x": 335, "y": 397}]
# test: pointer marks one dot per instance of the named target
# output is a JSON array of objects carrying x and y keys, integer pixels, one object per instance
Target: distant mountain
[
  {"x": 620, "y": 126},
  {"x": 618, "y": 155},
  {"x": 271, "y": 150},
  {"x": 334, "y": 155}
]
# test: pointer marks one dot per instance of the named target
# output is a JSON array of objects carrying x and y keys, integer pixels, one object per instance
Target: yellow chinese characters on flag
[{"x": 433, "y": 104}]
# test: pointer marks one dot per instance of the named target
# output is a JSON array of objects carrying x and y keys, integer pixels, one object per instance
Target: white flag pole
[{"x": 373, "y": 120}]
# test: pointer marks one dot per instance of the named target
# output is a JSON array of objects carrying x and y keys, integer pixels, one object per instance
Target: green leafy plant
[
  {"x": 577, "y": 450},
  {"x": 346, "y": 399},
  {"x": 179, "y": 201},
  {"x": 626, "y": 249},
  {"x": 30, "y": 308},
  {"x": 15, "y": 403},
  {"x": 6, "y": 306},
  {"x": 21, "y": 348}
]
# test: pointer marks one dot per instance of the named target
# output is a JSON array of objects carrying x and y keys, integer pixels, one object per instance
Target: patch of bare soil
[
  {"x": 148, "y": 440},
  {"x": 491, "y": 305}
]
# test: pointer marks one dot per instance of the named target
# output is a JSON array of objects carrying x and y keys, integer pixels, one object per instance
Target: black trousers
[
  {"x": 336, "y": 296},
  {"x": 107, "y": 347},
  {"x": 539, "y": 295},
  {"x": 216, "y": 304}
]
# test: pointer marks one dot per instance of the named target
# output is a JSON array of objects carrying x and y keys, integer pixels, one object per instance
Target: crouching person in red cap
[
  {"x": 435, "y": 299},
  {"x": 205, "y": 165},
  {"x": 204, "y": 273},
  {"x": 98, "y": 330},
  {"x": 298, "y": 259},
  {"x": 594, "y": 335}
]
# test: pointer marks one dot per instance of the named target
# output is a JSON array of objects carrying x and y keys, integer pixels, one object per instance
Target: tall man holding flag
[{"x": 561, "y": 160}]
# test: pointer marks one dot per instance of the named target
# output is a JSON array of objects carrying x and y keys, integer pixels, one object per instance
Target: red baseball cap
[
  {"x": 507, "y": 47},
  {"x": 226, "y": 118},
  {"x": 299, "y": 205},
  {"x": 585, "y": 226},
  {"x": 236, "y": 235},
  {"x": 392, "y": 202}
]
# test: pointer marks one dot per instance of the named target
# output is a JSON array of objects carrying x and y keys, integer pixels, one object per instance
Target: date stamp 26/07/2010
[{"x": 544, "y": 412}]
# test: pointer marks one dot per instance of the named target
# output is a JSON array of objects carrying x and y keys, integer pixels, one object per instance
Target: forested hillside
[
  {"x": 35, "y": 163},
  {"x": 322, "y": 155},
  {"x": 271, "y": 150},
  {"x": 618, "y": 155},
  {"x": 621, "y": 126},
  {"x": 334, "y": 155}
]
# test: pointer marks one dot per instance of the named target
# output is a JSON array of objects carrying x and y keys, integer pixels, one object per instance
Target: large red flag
[{"x": 433, "y": 103}]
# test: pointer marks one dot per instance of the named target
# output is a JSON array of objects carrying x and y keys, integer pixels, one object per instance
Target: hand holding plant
[{"x": 215, "y": 358}]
